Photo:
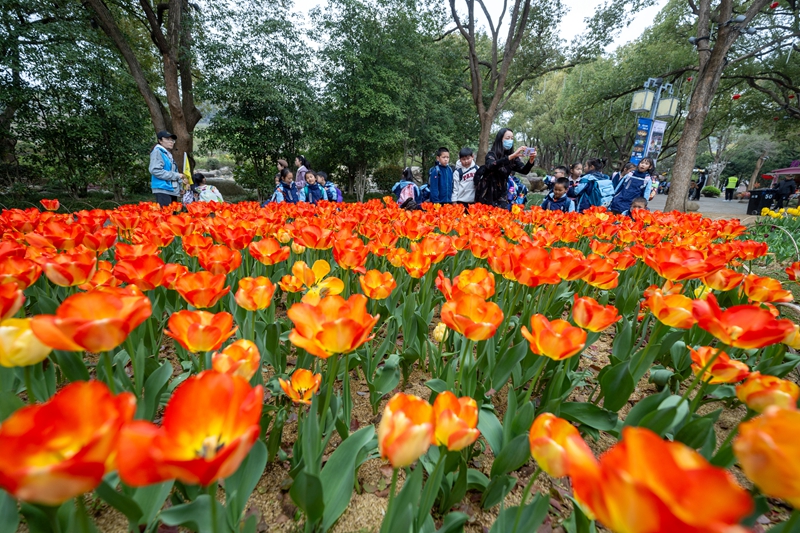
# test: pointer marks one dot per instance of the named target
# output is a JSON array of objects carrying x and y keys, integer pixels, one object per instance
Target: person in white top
[{"x": 464, "y": 178}]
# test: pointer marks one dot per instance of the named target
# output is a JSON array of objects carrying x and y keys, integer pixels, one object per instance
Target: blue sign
[{"x": 640, "y": 140}]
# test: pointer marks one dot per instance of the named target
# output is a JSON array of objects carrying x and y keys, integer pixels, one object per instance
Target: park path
[{"x": 713, "y": 208}]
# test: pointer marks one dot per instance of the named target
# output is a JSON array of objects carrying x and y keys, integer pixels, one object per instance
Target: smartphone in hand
[{"x": 530, "y": 152}]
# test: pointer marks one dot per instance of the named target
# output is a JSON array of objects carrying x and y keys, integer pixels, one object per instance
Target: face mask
[{"x": 508, "y": 144}]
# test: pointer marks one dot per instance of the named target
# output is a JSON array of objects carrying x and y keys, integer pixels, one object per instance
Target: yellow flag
[{"x": 186, "y": 170}]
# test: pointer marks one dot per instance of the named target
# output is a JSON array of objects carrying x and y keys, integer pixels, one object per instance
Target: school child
[
  {"x": 333, "y": 192},
  {"x": 594, "y": 187},
  {"x": 463, "y": 178},
  {"x": 636, "y": 184},
  {"x": 407, "y": 192},
  {"x": 285, "y": 191},
  {"x": 440, "y": 178},
  {"x": 558, "y": 172},
  {"x": 557, "y": 200},
  {"x": 204, "y": 192},
  {"x": 312, "y": 192}
]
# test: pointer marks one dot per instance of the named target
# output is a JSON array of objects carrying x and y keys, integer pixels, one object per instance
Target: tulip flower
[
  {"x": 723, "y": 279},
  {"x": 314, "y": 278},
  {"x": 674, "y": 310},
  {"x": 289, "y": 283},
  {"x": 416, "y": 263},
  {"x": 644, "y": 484},
  {"x": 406, "y": 429},
  {"x": 11, "y": 300},
  {"x": 95, "y": 321},
  {"x": 19, "y": 270},
  {"x": 172, "y": 273},
  {"x": 553, "y": 441},
  {"x": 145, "y": 271},
  {"x": 71, "y": 268},
  {"x": 100, "y": 240},
  {"x": 333, "y": 326},
  {"x": 678, "y": 264},
  {"x": 534, "y": 267},
  {"x": 759, "y": 391},
  {"x": 350, "y": 253},
  {"x": 301, "y": 386},
  {"x": 472, "y": 316},
  {"x": 742, "y": 326},
  {"x": 588, "y": 314},
  {"x": 208, "y": 428},
  {"x": 201, "y": 289},
  {"x": 50, "y": 205},
  {"x": 62, "y": 448},
  {"x": 600, "y": 273},
  {"x": 297, "y": 248},
  {"x": 395, "y": 256},
  {"x": 195, "y": 243},
  {"x": 722, "y": 370},
  {"x": 219, "y": 259},
  {"x": 767, "y": 450},
  {"x": 255, "y": 293},
  {"x": 314, "y": 237},
  {"x": 240, "y": 357},
  {"x": 377, "y": 285},
  {"x": 456, "y": 421},
  {"x": 439, "y": 332},
  {"x": 124, "y": 252},
  {"x": 56, "y": 234},
  {"x": 765, "y": 289},
  {"x": 268, "y": 251},
  {"x": 556, "y": 339},
  {"x": 200, "y": 331},
  {"x": 18, "y": 345},
  {"x": 479, "y": 282},
  {"x": 793, "y": 271}
]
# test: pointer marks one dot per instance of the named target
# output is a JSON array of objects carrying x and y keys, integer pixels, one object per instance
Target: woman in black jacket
[{"x": 501, "y": 161}]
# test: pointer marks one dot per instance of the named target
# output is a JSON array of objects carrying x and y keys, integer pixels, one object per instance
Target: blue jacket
[
  {"x": 565, "y": 204},
  {"x": 440, "y": 179},
  {"x": 312, "y": 193},
  {"x": 285, "y": 193},
  {"x": 164, "y": 175},
  {"x": 634, "y": 185}
]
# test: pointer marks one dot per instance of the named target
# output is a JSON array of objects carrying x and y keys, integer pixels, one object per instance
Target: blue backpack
[
  {"x": 425, "y": 193},
  {"x": 599, "y": 192}
]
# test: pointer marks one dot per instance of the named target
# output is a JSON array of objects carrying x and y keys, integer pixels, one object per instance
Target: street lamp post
[{"x": 657, "y": 99}]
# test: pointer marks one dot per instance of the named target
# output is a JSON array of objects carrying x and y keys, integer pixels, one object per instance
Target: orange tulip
[
  {"x": 240, "y": 358},
  {"x": 534, "y": 267},
  {"x": 767, "y": 450},
  {"x": 333, "y": 326},
  {"x": 456, "y": 421},
  {"x": 19, "y": 270},
  {"x": 100, "y": 240},
  {"x": 200, "y": 331},
  {"x": 314, "y": 278},
  {"x": 95, "y": 321},
  {"x": 793, "y": 271},
  {"x": 377, "y": 285},
  {"x": 416, "y": 263},
  {"x": 302, "y": 385},
  {"x": 600, "y": 273},
  {"x": 722, "y": 370},
  {"x": 674, "y": 310},
  {"x": 572, "y": 266},
  {"x": 314, "y": 237},
  {"x": 723, "y": 279},
  {"x": 194, "y": 244},
  {"x": 472, "y": 316},
  {"x": 50, "y": 205},
  {"x": 146, "y": 271},
  {"x": 219, "y": 259},
  {"x": 255, "y": 293},
  {"x": 289, "y": 283},
  {"x": 18, "y": 345},
  {"x": 765, "y": 289},
  {"x": 759, "y": 391},
  {"x": 395, "y": 256},
  {"x": 677, "y": 264},
  {"x": 479, "y": 282},
  {"x": 588, "y": 314},
  {"x": 11, "y": 249},
  {"x": 57, "y": 234},
  {"x": 644, "y": 484},
  {"x": 406, "y": 429},
  {"x": 172, "y": 273},
  {"x": 742, "y": 326},
  {"x": 556, "y": 339},
  {"x": 437, "y": 247},
  {"x": 209, "y": 426},
  {"x": 124, "y": 251},
  {"x": 553, "y": 441},
  {"x": 59, "y": 449},
  {"x": 350, "y": 253},
  {"x": 11, "y": 300},
  {"x": 71, "y": 268},
  {"x": 201, "y": 289}
]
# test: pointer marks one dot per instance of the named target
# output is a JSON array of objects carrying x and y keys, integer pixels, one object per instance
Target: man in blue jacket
[
  {"x": 165, "y": 180},
  {"x": 440, "y": 178}
]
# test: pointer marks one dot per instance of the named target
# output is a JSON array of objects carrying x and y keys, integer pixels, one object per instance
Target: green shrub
[
  {"x": 710, "y": 191},
  {"x": 213, "y": 164},
  {"x": 386, "y": 176}
]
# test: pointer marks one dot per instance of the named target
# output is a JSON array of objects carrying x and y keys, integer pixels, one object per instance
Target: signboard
[
  {"x": 640, "y": 140},
  {"x": 656, "y": 139}
]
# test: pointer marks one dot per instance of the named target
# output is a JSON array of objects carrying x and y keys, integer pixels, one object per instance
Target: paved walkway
[{"x": 712, "y": 208}]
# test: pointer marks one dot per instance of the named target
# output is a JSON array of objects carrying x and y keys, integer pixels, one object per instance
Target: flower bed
[{"x": 171, "y": 359}]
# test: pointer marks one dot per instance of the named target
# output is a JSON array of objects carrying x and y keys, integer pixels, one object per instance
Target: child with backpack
[
  {"x": 440, "y": 178},
  {"x": 517, "y": 191},
  {"x": 333, "y": 192},
  {"x": 557, "y": 199},
  {"x": 594, "y": 188},
  {"x": 636, "y": 184},
  {"x": 285, "y": 191},
  {"x": 463, "y": 178},
  {"x": 406, "y": 191},
  {"x": 312, "y": 192}
]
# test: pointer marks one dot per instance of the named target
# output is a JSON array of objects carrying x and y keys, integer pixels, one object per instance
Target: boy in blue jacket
[
  {"x": 557, "y": 200},
  {"x": 440, "y": 178},
  {"x": 165, "y": 180}
]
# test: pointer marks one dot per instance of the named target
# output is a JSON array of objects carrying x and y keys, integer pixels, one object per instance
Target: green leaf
[
  {"x": 436, "y": 385},
  {"x": 492, "y": 431},
  {"x": 153, "y": 388},
  {"x": 338, "y": 476},
  {"x": 669, "y": 414},
  {"x": 151, "y": 499},
  {"x": 9, "y": 402},
  {"x": 589, "y": 414},
  {"x": 9, "y": 516},
  {"x": 578, "y": 522},
  {"x": 515, "y": 454},
  {"x": 400, "y": 518},
  {"x": 622, "y": 341},
  {"x": 505, "y": 365},
  {"x": 241, "y": 483},
  {"x": 476, "y": 480},
  {"x": 306, "y": 493},
  {"x": 195, "y": 515},
  {"x": 617, "y": 385},
  {"x": 528, "y": 519},
  {"x": 695, "y": 433},
  {"x": 497, "y": 490},
  {"x": 453, "y": 522},
  {"x": 429, "y": 492},
  {"x": 523, "y": 419},
  {"x": 71, "y": 364},
  {"x": 388, "y": 376},
  {"x": 120, "y": 502},
  {"x": 644, "y": 407}
]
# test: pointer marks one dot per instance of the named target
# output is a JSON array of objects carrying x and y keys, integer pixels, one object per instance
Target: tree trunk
[
  {"x": 759, "y": 164},
  {"x": 483, "y": 142}
]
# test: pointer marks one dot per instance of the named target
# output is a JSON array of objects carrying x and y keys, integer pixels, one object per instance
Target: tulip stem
[
  {"x": 212, "y": 492},
  {"x": 333, "y": 368},
  {"x": 109, "y": 367},
  {"x": 701, "y": 374},
  {"x": 391, "y": 490},
  {"x": 699, "y": 396},
  {"x": 28, "y": 387},
  {"x": 793, "y": 520},
  {"x": 535, "y": 379},
  {"x": 525, "y": 494}
]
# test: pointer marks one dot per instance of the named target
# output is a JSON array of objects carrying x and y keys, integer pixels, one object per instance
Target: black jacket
[{"x": 492, "y": 187}]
